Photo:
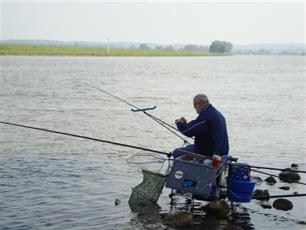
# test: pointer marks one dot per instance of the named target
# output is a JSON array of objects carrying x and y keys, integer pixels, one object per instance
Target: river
[{"x": 48, "y": 181}]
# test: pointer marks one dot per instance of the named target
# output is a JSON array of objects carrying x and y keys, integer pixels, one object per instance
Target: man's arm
[{"x": 192, "y": 128}]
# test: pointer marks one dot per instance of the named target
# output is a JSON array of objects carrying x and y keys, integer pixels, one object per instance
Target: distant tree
[
  {"x": 159, "y": 47},
  {"x": 203, "y": 48},
  {"x": 263, "y": 51},
  {"x": 191, "y": 47},
  {"x": 169, "y": 48},
  {"x": 144, "y": 46},
  {"x": 220, "y": 47}
]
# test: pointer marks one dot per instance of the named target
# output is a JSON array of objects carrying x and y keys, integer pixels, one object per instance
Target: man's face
[{"x": 198, "y": 106}]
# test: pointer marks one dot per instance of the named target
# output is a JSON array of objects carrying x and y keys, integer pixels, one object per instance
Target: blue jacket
[{"x": 209, "y": 130}]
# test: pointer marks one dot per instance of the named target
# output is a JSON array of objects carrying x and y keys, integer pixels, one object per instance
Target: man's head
[{"x": 200, "y": 101}]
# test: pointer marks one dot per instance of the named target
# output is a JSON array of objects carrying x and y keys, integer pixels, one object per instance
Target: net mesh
[{"x": 149, "y": 189}]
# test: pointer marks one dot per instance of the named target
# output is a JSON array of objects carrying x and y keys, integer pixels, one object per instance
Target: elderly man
[{"x": 208, "y": 129}]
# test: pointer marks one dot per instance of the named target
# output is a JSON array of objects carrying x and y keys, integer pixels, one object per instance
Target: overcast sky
[{"x": 154, "y": 21}]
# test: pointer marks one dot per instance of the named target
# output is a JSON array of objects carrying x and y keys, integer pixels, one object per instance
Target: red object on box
[{"x": 216, "y": 161}]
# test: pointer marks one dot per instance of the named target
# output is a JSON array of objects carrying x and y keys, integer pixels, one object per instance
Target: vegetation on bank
[{"x": 13, "y": 49}]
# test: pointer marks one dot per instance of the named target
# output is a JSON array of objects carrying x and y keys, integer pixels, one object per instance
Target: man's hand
[{"x": 181, "y": 120}]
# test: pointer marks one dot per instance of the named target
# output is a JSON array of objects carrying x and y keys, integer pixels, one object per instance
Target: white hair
[{"x": 201, "y": 98}]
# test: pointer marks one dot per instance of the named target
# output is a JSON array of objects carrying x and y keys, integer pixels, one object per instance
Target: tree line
[{"x": 215, "y": 47}]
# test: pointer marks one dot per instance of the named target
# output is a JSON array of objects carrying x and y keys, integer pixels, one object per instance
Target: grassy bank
[{"x": 10, "y": 49}]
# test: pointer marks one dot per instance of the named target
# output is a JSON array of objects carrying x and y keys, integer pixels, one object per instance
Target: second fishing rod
[{"x": 137, "y": 109}]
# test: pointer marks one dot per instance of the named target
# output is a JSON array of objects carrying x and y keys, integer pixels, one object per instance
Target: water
[{"x": 49, "y": 181}]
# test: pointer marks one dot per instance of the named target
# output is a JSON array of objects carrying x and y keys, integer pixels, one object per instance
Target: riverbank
[{"x": 32, "y": 50}]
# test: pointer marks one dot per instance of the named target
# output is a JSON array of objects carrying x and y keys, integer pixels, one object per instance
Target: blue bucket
[
  {"x": 239, "y": 184},
  {"x": 239, "y": 191},
  {"x": 240, "y": 171}
]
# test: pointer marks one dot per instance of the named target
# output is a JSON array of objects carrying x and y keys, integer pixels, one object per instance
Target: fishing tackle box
[{"x": 195, "y": 174}]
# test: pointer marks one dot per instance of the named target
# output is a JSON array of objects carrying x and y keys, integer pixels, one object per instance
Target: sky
[{"x": 161, "y": 22}]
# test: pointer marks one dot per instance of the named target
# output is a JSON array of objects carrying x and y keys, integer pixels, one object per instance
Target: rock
[
  {"x": 284, "y": 187},
  {"x": 270, "y": 180},
  {"x": 265, "y": 205},
  {"x": 302, "y": 222},
  {"x": 233, "y": 227},
  {"x": 219, "y": 209},
  {"x": 294, "y": 165},
  {"x": 282, "y": 204},
  {"x": 288, "y": 175},
  {"x": 179, "y": 219},
  {"x": 261, "y": 194},
  {"x": 117, "y": 202}
]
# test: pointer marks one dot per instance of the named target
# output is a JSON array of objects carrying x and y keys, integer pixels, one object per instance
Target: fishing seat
[{"x": 193, "y": 173}]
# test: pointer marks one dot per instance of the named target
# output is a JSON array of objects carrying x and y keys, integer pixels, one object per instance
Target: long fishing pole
[
  {"x": 159, "y": 121},
  {"x": 279, "y": 196},
  {"x": 277, "y": 169},
  {"x": 270, "y": 168},
  {"x": 85, "y": 137},
  {"x": 276, "y": 176}
]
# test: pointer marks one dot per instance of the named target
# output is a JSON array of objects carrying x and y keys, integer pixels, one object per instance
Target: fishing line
[
  {"x": 159, "y": 121},
  {"x": 158, "y": 159}
]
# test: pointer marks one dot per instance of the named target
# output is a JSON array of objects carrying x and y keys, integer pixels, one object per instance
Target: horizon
[
  {"x": 154, "y": 22},
  {"x": 131, "y": 42}
]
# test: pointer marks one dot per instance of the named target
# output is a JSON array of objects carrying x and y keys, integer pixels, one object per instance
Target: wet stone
[
  {"x": 294, "y": 165},
  {"x": 284, "y": 187},
  {"x": 117, "y": 202},
  {"x": 233, "y": 227},
  {"x": 282, "y": 204},
  {"x": 219, "y": 209},
  {"x": 270, "y": 180},
  {"x": 289, "y": 175},
  {"x": 179, "y": 219},
  {"x": 266, "y": 205},
  {"x": 261, "y": 194}
]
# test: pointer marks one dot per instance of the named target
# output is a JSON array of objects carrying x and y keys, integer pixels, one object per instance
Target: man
[{"x": 208, "y": 129}]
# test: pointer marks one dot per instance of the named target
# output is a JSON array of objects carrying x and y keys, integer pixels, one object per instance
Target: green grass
[{"x": 11, "y": 49}]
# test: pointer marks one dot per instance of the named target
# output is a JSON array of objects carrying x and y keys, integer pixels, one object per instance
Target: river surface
[{"x": 49, "y": 181}]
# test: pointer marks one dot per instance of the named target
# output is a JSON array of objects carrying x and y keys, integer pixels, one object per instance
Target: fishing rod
[
  {"x": 270, "y": 168},
  {"x": 276, "y": 176},
  {"x": 277, "y": 169},
  {"x": 85, "y": 137},
  {"x": 137, "y": 109},
  {"x": 278, "y": 196}
]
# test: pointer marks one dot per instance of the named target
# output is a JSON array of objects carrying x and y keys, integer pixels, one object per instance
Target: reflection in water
[
  {"x": 178, "y": 217},
  {"x": 148, "y": 216},
  {"x": 240, "y": 216}
]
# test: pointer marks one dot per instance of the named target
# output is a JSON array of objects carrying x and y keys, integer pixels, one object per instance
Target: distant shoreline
[{"x": 53, "y": 50}]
